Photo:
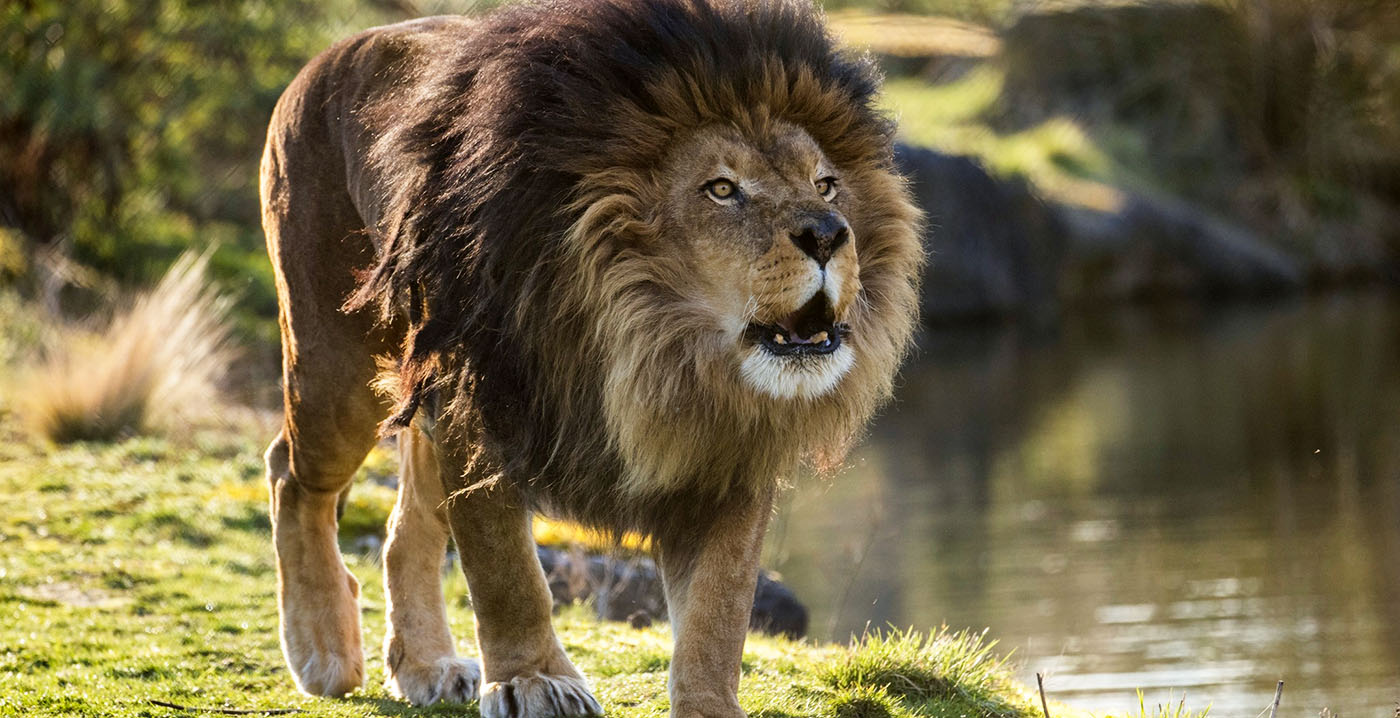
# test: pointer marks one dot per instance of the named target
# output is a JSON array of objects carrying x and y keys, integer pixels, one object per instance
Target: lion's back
[{"x": 326, "y": 121}]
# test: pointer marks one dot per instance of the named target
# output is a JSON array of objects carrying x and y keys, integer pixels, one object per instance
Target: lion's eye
[
  {"x": 722, "y": 190},
  {"x": 826, "y": 186}
]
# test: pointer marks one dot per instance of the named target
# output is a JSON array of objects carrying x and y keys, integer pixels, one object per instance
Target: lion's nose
[{"x": 819, "y": 236}]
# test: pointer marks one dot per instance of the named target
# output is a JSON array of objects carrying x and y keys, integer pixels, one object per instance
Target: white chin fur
[{"x": 796, "y": 377}]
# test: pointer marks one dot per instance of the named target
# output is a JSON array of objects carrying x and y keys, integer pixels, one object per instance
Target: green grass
[
  {"x": 142, "y": 570},
  {"x": 941, "y": 673},
  {"x": 1171, "y": 709},
  {"x": 1059, "y": 157}
]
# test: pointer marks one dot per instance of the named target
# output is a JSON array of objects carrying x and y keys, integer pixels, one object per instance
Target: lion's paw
[
  {"x": 323, "y": 673},
  {"x": 448, "y": 679},
  {"x": 539, "y": 696}
]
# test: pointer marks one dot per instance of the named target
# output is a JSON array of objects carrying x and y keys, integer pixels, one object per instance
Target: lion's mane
[{"x": 520, "y": 244}]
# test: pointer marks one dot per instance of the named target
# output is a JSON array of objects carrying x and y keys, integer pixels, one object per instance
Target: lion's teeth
[
  {"x": 819, "y": 338},
  {"x": 778, "y": 339}
]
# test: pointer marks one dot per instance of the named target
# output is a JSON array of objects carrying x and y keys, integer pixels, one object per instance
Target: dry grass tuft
[{"x": 156, "y": 364}]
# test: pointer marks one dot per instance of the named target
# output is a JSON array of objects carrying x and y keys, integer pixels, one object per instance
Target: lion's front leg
[
  {"x": 422, "y": 665},
  {"x": 526, "y": 672},
  {"x": 709, "y": 591}
]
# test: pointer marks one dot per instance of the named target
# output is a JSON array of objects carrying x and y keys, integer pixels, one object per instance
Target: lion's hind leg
[
  {"x": 423, "y": 668},
  {"x": 331, "y": 415},
  {"x": 317, "y": 597}
]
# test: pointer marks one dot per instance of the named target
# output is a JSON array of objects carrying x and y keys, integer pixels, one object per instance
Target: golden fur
[{"x": 633, "y": 261}]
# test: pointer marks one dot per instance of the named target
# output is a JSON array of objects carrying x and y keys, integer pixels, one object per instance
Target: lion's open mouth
[{"x": 810, "y": 330}]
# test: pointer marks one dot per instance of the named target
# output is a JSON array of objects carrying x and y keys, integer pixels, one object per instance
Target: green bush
[
  {"x": 132, "y": 129},
  {"x": 1267, "y": 108}
]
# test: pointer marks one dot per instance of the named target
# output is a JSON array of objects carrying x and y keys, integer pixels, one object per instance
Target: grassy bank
[{"x": 142, "y": 570}]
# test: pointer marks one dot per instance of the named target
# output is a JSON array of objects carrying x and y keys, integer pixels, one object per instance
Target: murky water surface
[{"x": 1200, "y": 500}]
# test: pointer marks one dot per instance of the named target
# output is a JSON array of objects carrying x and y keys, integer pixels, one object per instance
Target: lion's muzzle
[
  {"x": 820, "y": 235},
  {"x": 812, "y": 330}
]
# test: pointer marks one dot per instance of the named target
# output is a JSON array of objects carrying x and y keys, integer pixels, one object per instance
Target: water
[{"x": 1196, "y": 499}]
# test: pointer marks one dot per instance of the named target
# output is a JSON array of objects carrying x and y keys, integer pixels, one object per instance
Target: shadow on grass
[
  {"x": 253, "y": 520},
  {"x": 379, "y": 705},
  {"x": 181, "y": 529}
]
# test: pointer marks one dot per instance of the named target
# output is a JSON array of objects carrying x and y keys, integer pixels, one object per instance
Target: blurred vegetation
[
  {"x": 132, "y": 129},
  {"x": 987, "y": 12},
  {"x": 1281, "y": 114},
  {"x": 1285, "y": 113},
  {"x": 1058, "y": 155}
]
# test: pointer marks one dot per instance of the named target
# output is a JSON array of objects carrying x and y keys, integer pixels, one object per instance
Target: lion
[{"x": 631, "y": 263}]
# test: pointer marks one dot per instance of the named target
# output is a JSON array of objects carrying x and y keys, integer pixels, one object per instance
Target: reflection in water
[{"x": 1203, "y": 500}]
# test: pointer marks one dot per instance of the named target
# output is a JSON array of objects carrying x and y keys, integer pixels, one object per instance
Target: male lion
[{"x": 633, "y": 261}]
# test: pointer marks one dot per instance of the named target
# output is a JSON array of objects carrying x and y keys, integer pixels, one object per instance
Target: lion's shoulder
[
  {"x": 348, "y": 98},
  {"x": 366, "y": 68}
]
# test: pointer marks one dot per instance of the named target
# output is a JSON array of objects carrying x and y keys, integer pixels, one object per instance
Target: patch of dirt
[{"x": 72, "y": 594}]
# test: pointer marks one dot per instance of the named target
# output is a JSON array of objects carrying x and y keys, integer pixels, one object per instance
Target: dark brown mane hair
[{"x": 503, "y": 173}]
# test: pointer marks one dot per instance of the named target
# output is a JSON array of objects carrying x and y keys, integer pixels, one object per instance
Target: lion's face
[{"x": 773, "y": 253}]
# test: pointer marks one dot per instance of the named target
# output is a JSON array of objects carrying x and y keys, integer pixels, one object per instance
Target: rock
[
  {"x": 629, "y": 589},
  {"x": 1165, "y": 246},
  {"x": 618, "y": 587},
  {"x": 776, "y": 610},
  {"x": 994, "y": 248}
]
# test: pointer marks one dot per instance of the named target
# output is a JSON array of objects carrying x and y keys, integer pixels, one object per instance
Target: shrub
[
  {"x": 1269, "y": 108},
  {"x": 129, "y": 128},
  {"x": 155, "y": 365}
]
